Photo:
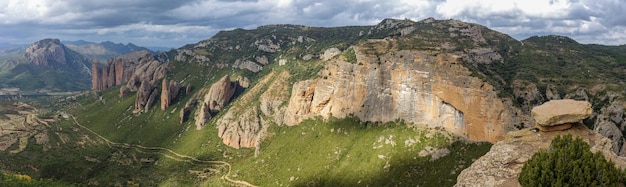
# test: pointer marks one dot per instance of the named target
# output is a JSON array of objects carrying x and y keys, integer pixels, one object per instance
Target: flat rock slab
[{"x": 557, "y": 112}]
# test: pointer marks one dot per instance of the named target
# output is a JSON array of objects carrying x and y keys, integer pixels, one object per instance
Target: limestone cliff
[
  {"x": 244, "y": 125},
  {"x": 215, "y": 100},
  {"x": 147, "y": 74},
  {"x": 169, "y": 91},
  {"x": 421, "y": 87},
  {"x": 116, "y": 71}
]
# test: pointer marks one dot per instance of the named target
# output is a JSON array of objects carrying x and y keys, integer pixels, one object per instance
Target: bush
[{"x": 569, "y": 163}]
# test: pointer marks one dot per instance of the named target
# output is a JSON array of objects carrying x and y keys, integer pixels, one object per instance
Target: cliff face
[
  {"x": 215, "y": 100},
  {"x": 169, "y": 91},
  {"x": 416, "y": 86},
  {"x": 245, "y": 125},
  {"x": 116, "y": 71},
  {"x": 145, "y": 76}
]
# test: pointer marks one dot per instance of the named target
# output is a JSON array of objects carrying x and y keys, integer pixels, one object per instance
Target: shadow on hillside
[{"x": 408, "y": 171}]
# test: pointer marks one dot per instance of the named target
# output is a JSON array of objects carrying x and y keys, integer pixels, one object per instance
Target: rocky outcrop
[
  {"x": 330, "y": 53},
  {"x": 147, "y": 74},
  {"x": 417, "y": 86},
  {"x": 116, "y": 71},
  {"x": 242, "y": 132},
  {"x": 502, "y": 165},
  {"x": 215, "y": 100},
  {"x": 220, "y": 93},
  {"x": 244, "y": 125},
  {"x": 610, "y": 122},
  {"x": 202, "y": 115},
  {"x": 169, "y": 91},
  {"x": 557, "y": 112},
  {"x": 46, "y": 52}
]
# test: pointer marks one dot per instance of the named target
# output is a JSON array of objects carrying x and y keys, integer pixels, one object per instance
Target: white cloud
[{"x": 192, "y": 20}]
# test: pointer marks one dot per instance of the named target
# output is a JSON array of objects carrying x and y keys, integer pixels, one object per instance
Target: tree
[{"x": 569, "y": 163}]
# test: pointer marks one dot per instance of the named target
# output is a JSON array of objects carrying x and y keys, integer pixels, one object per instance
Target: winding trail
[{"x": 181, "y": 157}]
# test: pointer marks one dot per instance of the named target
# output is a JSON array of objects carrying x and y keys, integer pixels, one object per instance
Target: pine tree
[{"x": 569, "y": 163}]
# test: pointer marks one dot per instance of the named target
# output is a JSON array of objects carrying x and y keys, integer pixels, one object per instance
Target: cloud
[{"x": 175, "y": 23}]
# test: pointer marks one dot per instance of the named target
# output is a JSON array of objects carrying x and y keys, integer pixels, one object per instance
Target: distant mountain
[
  {"x": 46, "y": 65},
  {"x": 4, "y": 46},
  {"x": 104, "y": 50},
  {"x": 157, "y": 48}
]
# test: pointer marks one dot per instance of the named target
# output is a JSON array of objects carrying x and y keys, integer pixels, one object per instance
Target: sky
[{"x": 174, "y": 23}]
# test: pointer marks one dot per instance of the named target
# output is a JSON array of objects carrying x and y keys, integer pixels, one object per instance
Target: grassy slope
[{"x": 344, "y": 152}]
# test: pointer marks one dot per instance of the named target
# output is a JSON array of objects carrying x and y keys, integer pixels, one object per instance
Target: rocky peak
[
  {"x": 46, "y": 52},
  {"x": 169, "y": 91},
  {"x": 116, "y": 71},
  {"x": 145, "y": 75},
  {"x": 215, "y": 100},
  {"x": 558, "y": 112},
  {"x": 502, "y": 165}
]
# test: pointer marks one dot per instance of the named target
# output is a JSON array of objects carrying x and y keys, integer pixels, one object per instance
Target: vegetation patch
[{"x": 346, "y": 152}]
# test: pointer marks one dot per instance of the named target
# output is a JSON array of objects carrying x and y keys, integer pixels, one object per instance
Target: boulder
[
  {"x": 557, "y": 112},
  {"x": 330, "y": 53}
]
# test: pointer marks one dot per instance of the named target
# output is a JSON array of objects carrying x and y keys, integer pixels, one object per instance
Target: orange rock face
[
  {"x": 421, "y": 87},
  {"x": 116, "y": 71}
]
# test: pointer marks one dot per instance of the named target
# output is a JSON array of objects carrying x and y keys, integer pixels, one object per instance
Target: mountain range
[
  {"x": 51, "y": 65},
  {"x": 398, "y": 103}
]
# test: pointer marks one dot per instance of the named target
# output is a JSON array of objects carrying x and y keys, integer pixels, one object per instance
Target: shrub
[{"x": 569, "y": 163}]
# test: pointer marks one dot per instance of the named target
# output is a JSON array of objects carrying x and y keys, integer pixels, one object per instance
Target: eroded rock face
[
  {"x": 416, "y": 86},
  {"x": 215, "y": 100},
  {"x": 242, "y": 130},
  {"x": 144, "y": 80},
  {"x": 558, "y": 112},
  {"x": 220, "y": 93},
  {"x": 116, "y": 71},
  {"x": 169, "y": 91},
  {"x": 502, "y": 165},
  {"x": 245, "y": 125}
]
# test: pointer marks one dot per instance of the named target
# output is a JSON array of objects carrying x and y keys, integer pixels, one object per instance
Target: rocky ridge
[
  {"x": 503, "y": 163},
  {"x": 147, "y": 74},
  {"x": 116, "y": 71},
  {"x": 416, "y": 86}
]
